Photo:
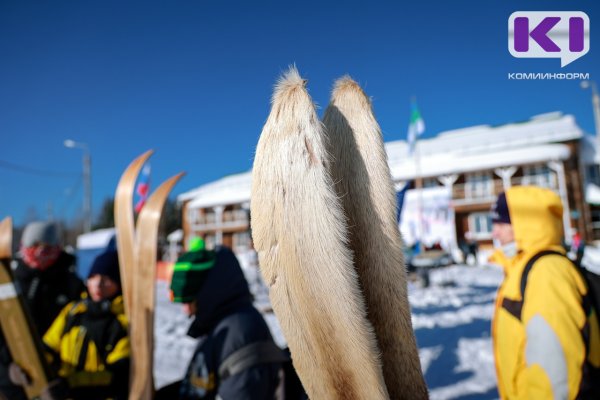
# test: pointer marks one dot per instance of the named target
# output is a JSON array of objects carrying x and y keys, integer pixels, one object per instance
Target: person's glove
[
  {"x": 17, "y": 375},
  {"x": 55, "y": 390}
]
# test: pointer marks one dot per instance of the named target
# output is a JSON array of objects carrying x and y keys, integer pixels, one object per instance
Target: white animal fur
[
  {"x": 301, "y": 237},
  {"x": 363, "y": 181}
]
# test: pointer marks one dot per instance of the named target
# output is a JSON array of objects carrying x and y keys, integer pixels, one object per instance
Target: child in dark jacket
[{"x": 88, "y": 341}]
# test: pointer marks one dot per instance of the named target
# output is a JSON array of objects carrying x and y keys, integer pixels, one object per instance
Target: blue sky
[{"x": 193, "y": 79}]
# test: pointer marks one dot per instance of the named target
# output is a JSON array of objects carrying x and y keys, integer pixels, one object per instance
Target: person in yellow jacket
[
  {"x": 88, "y": 341},
  {"x": 546, "y": 341}
]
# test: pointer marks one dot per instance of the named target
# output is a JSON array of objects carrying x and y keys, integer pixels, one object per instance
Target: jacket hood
[
  {"x": 536, "y": 217},
  {"x": 223, "y": 292}
]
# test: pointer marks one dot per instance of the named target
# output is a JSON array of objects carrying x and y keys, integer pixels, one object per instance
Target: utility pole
[{"x": 87, "y": 182}]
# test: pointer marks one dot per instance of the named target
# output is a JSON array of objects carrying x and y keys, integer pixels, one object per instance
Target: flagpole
[
  {"x": 415, "y": 129},
  {"x": 419, "y": 187}
]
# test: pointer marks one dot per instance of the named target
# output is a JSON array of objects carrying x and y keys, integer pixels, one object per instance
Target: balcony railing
[
  {"x": 465, "y": 193},
  {"x": 231, "y": 220}
]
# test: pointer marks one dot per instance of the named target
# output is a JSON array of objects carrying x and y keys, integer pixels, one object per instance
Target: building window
[
  {"x": 430, "y": 182},
  {"x": 539, "y": 175},
  {"x": 210, "y": 217},
  {"x": 595, "y": 219},
  {"x": 593, "y": 174},
  {"x": 193, "y": 215},
  {"x": 479, "y": 185},
  {"x": 480, "y": 225}
]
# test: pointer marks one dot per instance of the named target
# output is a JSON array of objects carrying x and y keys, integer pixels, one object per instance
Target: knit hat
[
  {"x": 189, "y": 272},
  {"x": 40, "y": 233},
  {"x": 499, "y": 211},
  {"x": 107, "y": 264}
]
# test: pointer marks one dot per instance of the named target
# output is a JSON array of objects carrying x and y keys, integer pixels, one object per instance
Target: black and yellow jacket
[
  {"x": 550, "y": 346},
  {"x": 89, "y": 347}
]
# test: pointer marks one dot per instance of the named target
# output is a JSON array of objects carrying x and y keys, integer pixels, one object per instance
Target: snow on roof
[
  {"x": 229, "y": 190},
  {"x": 457, "y": 162},
  {"x": 175, "y": 236},
  {"x": 96, "y": 239},
  {"x": 225, "y": 183},
  {"x": 462, "y": 150},
  {"x": 541, "y": 129}
]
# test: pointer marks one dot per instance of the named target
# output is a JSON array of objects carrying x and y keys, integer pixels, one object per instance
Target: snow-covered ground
[
  {"x": 451, "y": 319},
  {"x": 452, "y": 322}
]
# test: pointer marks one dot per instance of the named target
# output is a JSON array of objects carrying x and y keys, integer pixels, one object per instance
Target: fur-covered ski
[
  {"x": 20, "y": 334},
  {"x": 324, "y": 225},
  {"x": 137, "y": 259}
]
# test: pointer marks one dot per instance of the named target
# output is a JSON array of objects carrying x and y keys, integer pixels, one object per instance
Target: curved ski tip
[
  {"x": 7, "y": 221},
  {"x": 289, "y": 81},
  {"x": 167, "y": 185},
  {"x": 143, "y": 157},
  {"x": 136, "y": 165},
  {"x": 178, "y": 176}
]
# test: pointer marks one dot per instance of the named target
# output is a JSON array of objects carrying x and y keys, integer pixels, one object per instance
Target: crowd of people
[
  {"x": 545, "y": 329},
  {"x": 84, "y": 328}
]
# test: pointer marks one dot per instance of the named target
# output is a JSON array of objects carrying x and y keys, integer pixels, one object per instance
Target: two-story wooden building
[{"x": 472, "y": 164}]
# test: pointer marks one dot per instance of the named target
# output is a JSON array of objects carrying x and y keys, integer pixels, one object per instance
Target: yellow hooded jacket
[
  {"x": 80, "y": 361},
  {"x": 542, "y": 354}
]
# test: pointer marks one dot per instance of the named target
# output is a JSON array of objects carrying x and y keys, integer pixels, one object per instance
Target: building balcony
[
  {"x": 468, "y": 194},
  {"x": 232, "y": 220},
  {"x": 487, "y": 192}
]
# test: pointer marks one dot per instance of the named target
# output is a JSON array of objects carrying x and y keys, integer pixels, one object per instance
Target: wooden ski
[
  {"x": 125, "y": 225},
  {"x": 137, "y": 258},
  {"x": 20, "y": 334}
]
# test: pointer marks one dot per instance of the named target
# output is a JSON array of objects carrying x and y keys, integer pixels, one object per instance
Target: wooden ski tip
[
  {"x": 133, "y": 170},
  {"x": 6, "y": 227},
  {"x": 124, "y": 223},
  {"x": 159, "y": 196}
]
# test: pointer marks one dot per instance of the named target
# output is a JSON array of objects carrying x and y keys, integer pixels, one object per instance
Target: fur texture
[
  {"x": 300, "y": 234},
  {"x": 363, "y": 182}
]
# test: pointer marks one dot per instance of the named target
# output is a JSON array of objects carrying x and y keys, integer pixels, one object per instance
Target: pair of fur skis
[
  {"x": 323, "y": 223},
  {"x": 137, "y": 246},
  {"x": 19, "y": 332}
]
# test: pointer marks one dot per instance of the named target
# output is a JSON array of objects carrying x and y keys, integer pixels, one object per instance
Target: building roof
[
  {"x": 470, "y": 149},
  {"x": 229, "y": 182},
  {"x": 541, "y": 129},
  {"x": 229, "y": 190},
  {"x": 457, "y": 162}
]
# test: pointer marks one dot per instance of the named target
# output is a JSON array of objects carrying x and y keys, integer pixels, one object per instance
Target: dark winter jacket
[
  {"x": 226, "y": 321},
  {"x": 46, "y": 293}
]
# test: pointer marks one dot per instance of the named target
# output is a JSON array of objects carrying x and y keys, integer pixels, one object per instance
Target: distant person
[
  {"x": 577, "y": 247},
  {"x": 546, "y": 338},
  {"x": 88, "y": 344},
  {"x": 236, "y": 357},
  {"x": 46, "y": 276},
  {"x": 471, "y": 247}
]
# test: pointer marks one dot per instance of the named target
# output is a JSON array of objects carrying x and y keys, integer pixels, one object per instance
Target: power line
[{"x": 28, "y": 170}]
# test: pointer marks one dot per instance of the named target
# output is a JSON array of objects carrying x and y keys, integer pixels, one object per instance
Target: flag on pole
[
  {"x": 143, "y": 188},
  {"x": 416, "y": 126}
]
